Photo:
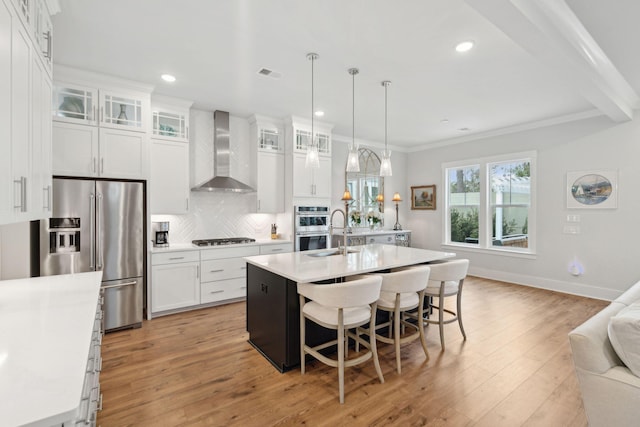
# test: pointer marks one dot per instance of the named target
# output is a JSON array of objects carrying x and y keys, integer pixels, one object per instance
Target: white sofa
[{"x": 610, "y": 391}]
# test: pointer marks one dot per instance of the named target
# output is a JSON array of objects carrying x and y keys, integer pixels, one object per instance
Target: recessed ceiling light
[
  {"x": 444, "y": 121},
  {"x": 168, "y": 78},
  {"x": 319, "y": 113},
  {"x": 464, "y": 46}
]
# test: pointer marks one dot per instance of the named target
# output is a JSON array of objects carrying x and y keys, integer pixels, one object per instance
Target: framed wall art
[
  {"x": 423, "y": 197},
  {"x": 592, "y": 189}
]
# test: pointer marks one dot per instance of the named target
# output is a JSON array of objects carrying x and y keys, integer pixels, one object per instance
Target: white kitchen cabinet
[
  {"x": 270, "y": 182},
  {"x": 175, "y": 280},
  {"x": 6, "y": 175},
  {"x": 170, "y": 118},
  {"x": 169, "y": 177},
  {"x": 224, "y": 273},
  {"x": 269, "y": 160},
  {"x": 98, "y": 131},
  {"x": 89, "y": 151},
  {"x": 277, "y": 248},
  {"x": 41, "y": 163},
  {"x": 20, "y": 123},
  {"x": 87, "y": 105},
  {"x": 24, "y": 129},
  {"x": 311, "y": 182},
  {"x": 300, "y": 131}
]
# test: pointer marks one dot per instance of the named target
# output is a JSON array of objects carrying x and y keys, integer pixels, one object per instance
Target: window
[{"x": 490, "y": 203}]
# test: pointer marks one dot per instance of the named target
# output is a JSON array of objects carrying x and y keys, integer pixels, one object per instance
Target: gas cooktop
[{"x": 224, "y": 241}]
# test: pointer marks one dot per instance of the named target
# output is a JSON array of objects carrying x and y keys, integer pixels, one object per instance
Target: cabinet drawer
[
  {"x": 276, "y": 249},
  {"x": 220, "y": 269},
  {"x": 223, "y": 290},
  {"x": 174, "y": 257},
  {"x": 229, "y": 252}
]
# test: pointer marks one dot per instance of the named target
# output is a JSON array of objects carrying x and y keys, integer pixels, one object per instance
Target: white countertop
[
  {"x": 301, "y": 267},
  {"x": 179, "y": 247},
  {"x": 46, "y": 325},
  {"x": 361, "y": 231}
]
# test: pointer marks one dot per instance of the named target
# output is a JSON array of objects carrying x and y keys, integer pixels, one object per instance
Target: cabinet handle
[
  {"x": 102, "y": 114},
  {"x": 23, "y": 193},
  {"x": 216, "y": 292},
  {"x": 175, "y": 258},
  {"x": 120, "y": 285},
  {"x": 94, "y": 165},
  {"x": 243, "y": 268},
  {"x": 47, "y": 37},
  {"x": 93, "y": 116},
  {"x": 274, "y": 250},
  {"x": 187, "y": 132},
  {"x": 216, "y": 271},
  {"x": 197, "y": 271},
  {"x": 243, "y": 287},
  {"x": 101, "y": 165}
]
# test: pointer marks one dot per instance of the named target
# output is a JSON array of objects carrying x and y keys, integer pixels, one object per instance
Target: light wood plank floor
[{"x": 197, "y": 369}]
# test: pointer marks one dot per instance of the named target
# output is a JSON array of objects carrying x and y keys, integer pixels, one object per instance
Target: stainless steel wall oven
[{"x": 311, "y": 227}]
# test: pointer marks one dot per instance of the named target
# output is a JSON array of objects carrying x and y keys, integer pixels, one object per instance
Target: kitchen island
[{"x": 272, "y": 297}]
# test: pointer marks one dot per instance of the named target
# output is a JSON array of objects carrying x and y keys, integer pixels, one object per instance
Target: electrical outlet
[{"x": 571, "y": 229}]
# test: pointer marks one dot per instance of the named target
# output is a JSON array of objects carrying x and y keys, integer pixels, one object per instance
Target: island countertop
[
  {"x": 46, "y": 325},
  {"x": 305, "y": 267}
]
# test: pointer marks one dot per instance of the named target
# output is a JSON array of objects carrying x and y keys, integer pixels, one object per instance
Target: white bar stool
[
  {"x": 446, "y": 280},
  {"x": 340, "y": 306},
  {"x": 402, "y": 290}
]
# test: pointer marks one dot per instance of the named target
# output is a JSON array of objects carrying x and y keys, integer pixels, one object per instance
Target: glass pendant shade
[
  {"x": 313, "y": 159},
  {"x": 385, "y": 164},
  {"x": 353, "y": 162}
]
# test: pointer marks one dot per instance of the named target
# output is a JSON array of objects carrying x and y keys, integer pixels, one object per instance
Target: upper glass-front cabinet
[
  {"x": 121, "y": 111},
  {"x": 169, "y": 125},
  {"x": 74, "y": 104},
  {"x": 270, "y": 140},
  {"x": 303, "y": 139}
]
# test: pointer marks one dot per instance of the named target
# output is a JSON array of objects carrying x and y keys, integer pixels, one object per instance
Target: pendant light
[
  {"x": 312, "y": 161},
  {"x": 353, "y": 163},
  {"x": 385, "y": 165}
]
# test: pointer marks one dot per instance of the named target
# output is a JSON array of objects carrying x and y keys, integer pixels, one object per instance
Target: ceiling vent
[{"x": 269, "y": 73}]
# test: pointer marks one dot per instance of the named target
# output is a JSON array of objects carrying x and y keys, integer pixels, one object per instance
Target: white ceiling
[{"x": 532, "y": 61}]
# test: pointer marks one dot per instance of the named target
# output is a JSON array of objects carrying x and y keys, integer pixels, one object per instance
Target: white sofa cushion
[{"x": 624, "y": 334}]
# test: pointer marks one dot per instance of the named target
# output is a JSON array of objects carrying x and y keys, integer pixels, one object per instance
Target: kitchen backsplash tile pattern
[{"x": 214, "y": 215}]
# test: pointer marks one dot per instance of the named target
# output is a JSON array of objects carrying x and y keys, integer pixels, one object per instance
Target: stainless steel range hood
[{"x": 221, "y": 180}]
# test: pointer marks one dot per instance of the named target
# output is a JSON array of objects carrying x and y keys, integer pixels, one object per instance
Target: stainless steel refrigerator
[{"x": 99, "y": 225}]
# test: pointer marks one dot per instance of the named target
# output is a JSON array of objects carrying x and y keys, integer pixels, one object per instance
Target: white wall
[{"x": 608, "y": 243}]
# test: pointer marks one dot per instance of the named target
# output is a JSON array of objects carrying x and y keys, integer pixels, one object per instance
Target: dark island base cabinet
[{"x": 273, "y": 319}]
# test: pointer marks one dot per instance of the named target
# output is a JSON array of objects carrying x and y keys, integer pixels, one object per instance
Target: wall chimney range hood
[{"x": 221, "y": 181}]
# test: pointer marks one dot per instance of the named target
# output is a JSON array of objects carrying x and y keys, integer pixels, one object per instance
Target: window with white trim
[{"x": 490, "y": 203}]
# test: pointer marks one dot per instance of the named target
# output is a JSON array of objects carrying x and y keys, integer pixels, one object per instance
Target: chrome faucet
[{"x": 344, "y": 228}]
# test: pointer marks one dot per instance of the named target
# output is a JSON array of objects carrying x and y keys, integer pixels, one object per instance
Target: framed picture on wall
[
  {"x": 592, "y": 189},
  {"x": 423, "y": 197}
]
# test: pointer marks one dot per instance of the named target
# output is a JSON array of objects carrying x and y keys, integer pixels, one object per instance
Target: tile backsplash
[{"x": 215, "y": 215}]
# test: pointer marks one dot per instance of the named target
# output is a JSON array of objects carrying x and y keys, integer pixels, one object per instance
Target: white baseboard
[{"x": 549, "y": 284}]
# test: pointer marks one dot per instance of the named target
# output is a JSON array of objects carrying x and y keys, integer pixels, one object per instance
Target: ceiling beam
[{"x": 551, "y": 32}]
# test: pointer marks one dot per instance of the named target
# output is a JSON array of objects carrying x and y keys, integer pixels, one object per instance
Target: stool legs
[
  {"x": 341, "y": 354},
  {"x": 459, "y": 313}
]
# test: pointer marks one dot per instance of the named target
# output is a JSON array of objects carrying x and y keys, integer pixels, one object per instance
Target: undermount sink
[{"x": 332, "y": 252}]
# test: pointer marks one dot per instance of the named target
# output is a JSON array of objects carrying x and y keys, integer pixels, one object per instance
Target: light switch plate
[{"x": 573, "y": 218}]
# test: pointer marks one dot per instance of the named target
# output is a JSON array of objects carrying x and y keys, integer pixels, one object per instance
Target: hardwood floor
[{"x": 514, "y": 369}]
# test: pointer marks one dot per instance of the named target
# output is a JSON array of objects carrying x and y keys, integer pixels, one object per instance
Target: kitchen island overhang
[{"x": 272, "y": 296}]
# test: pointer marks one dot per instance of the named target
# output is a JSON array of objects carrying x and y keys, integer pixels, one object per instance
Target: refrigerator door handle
[
  {"x": 92, "y": 230},
  {"x": 120, "y": 285},
  {"x": 99, "y": 259}
]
